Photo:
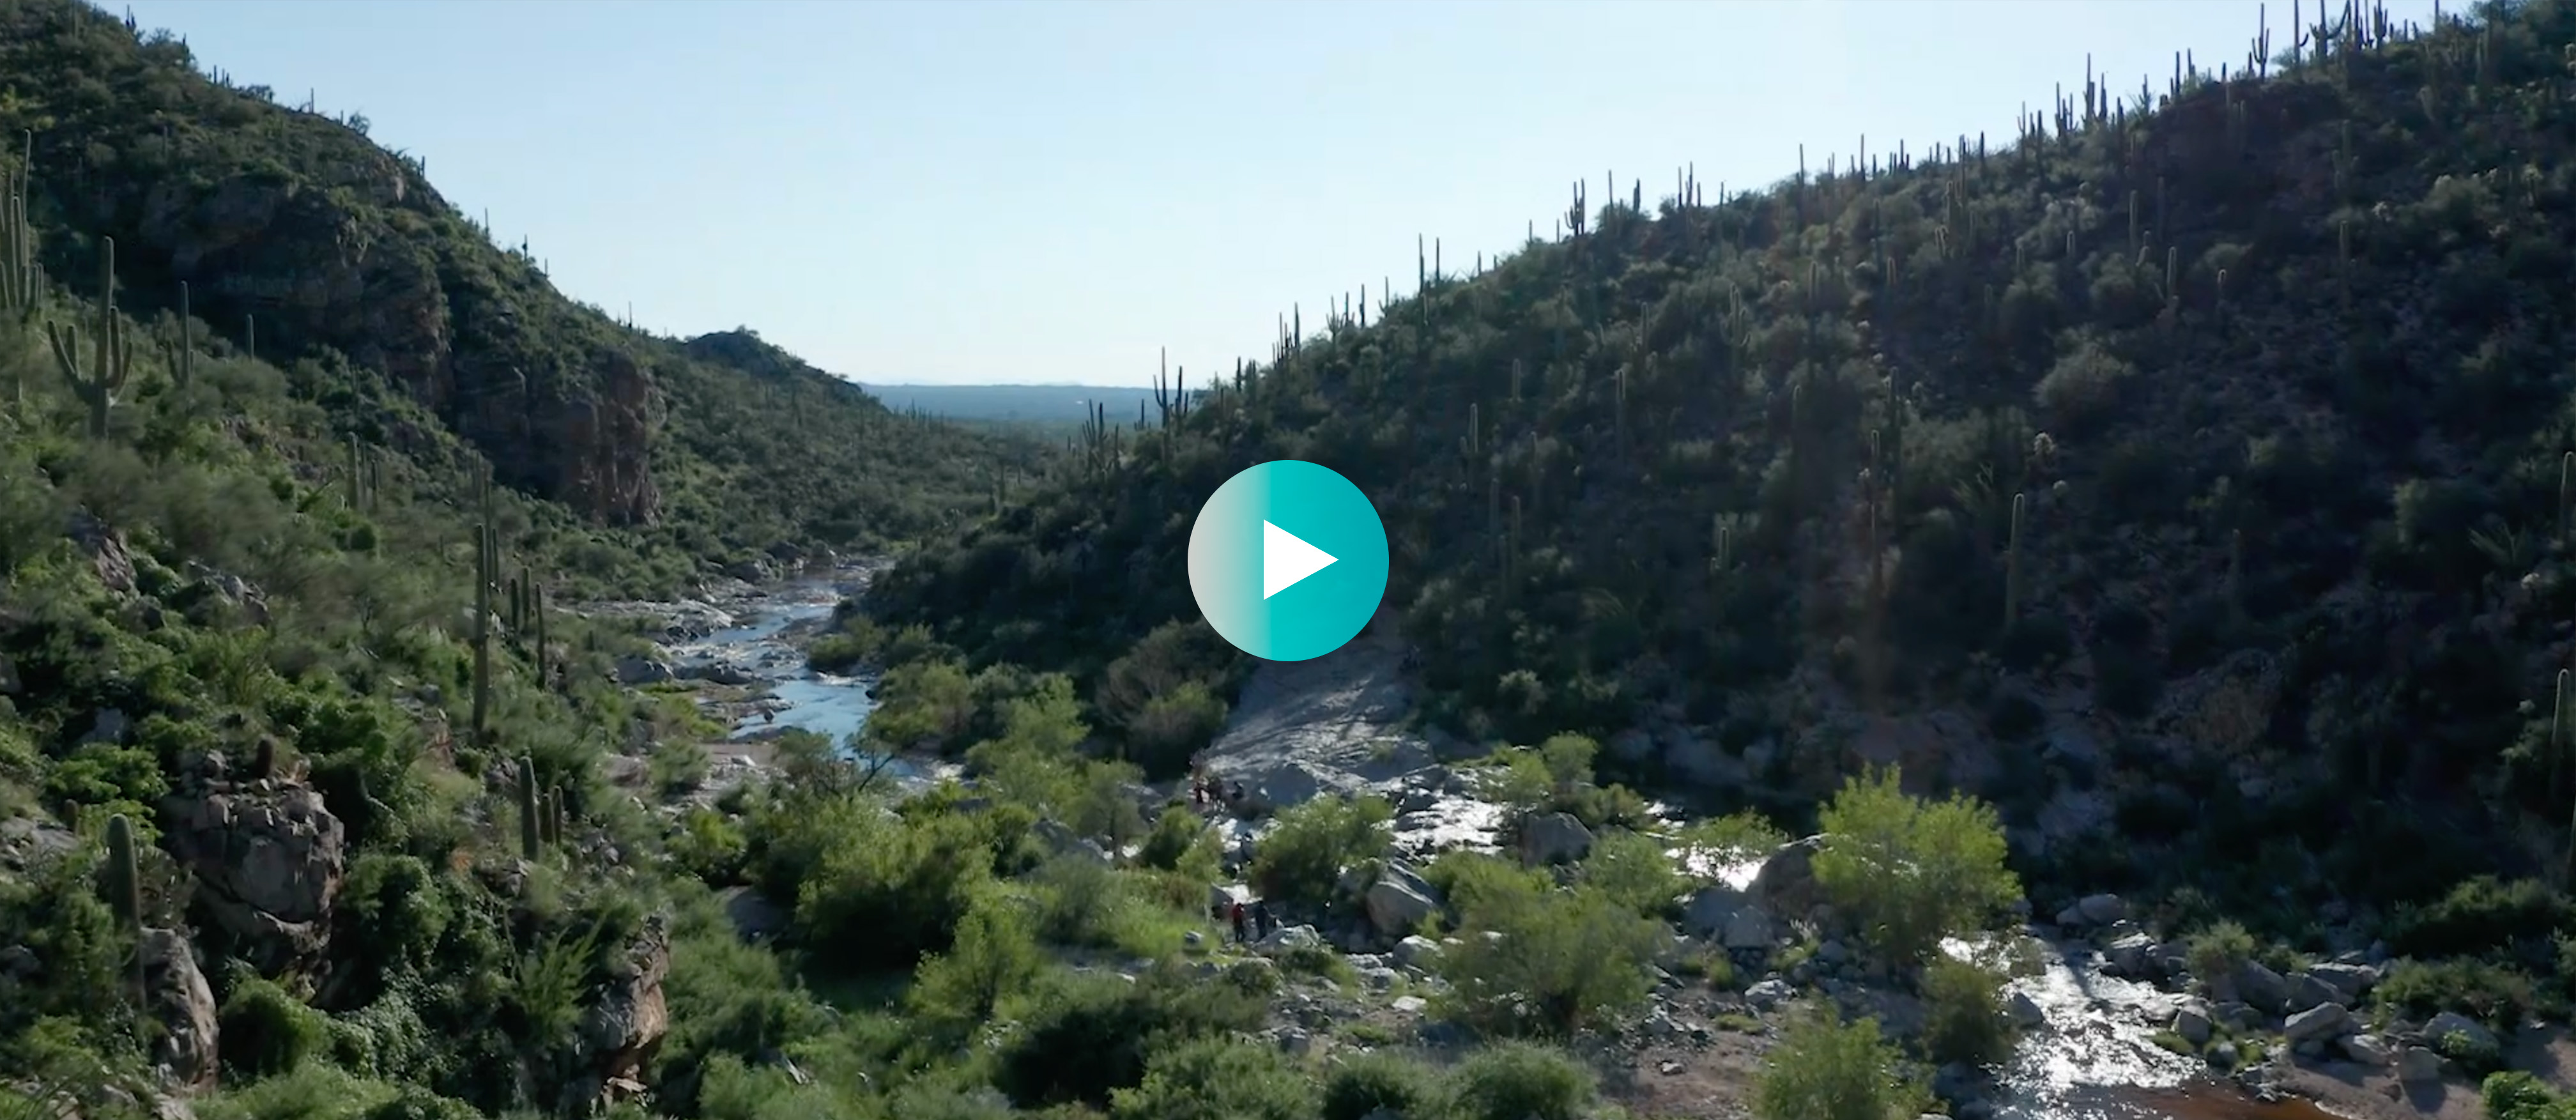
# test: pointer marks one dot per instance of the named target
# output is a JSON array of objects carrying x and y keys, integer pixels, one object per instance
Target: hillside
[
  {"x": 295, "y": 235},
  {"x": 2258, "y": 387}
]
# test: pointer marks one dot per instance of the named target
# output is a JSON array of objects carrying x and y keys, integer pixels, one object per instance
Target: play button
[
  {"x": 1288, "y": 560},
  {"x": 1285, "y": 559}
]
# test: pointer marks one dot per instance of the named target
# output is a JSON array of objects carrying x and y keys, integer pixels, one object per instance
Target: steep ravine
[{"x": 1335, "y": 724}]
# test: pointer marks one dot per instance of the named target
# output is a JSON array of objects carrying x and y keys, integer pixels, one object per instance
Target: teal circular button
[{"x": 1288, "y": 560}]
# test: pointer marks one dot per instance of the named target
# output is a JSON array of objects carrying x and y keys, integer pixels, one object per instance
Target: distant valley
[{"x": 1015, "y": 406}]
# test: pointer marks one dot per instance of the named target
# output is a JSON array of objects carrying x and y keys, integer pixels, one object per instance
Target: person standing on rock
[
  {"x": 1261, "y": 920},
  {"x": 1239, "y": 923}
]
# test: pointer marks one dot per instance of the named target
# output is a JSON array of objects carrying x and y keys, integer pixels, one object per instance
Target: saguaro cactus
[
  {"x": 487, "y": 562},
  {"x": 111, "y": 348},
  {"x": 124, "y": 889},
  {"x": 529, "y": 839},
  {"x": 2012, "y": 566},
  {"x": 20, "y": 283},
  {"x": 183, "y": 367}
]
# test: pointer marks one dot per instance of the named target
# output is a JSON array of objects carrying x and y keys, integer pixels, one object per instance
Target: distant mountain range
[{"x": 1040, "y": 405}]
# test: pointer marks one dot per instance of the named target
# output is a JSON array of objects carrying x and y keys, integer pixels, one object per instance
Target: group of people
[
  {"x": 1206, "y": 787},
  {"x": 1251, "y": 924}
]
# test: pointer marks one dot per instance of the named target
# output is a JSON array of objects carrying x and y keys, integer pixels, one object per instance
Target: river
[{"x": 2095, "y": 1060}]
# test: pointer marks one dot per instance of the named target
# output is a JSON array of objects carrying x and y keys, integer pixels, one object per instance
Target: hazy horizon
[{"x": 1051, "y": 194}]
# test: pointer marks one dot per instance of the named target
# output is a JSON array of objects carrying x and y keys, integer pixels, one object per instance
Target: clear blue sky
[{"x": 990, "y": 191}]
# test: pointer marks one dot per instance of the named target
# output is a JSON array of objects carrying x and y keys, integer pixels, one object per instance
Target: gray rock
[
  {"x": 2368, "y": 1049},
  {"x": 2262, "y": 988},
  {"x": 2025, "y": 1011},
  {"x": 1770, "y": 993},
  {"x": 633, "y": 670},
  {"x": 2441, "y": 1027},
  {"x": 1553, "y": 838},
  {"x": 184, "y": 1006},
  {"x": 1400, "y": 901},
  {"x": 2350, "y": 981},
  {"x": 1711, "y": 907},
  {"x": 2417, "y": 1065},
  {"x": 1416, "y": 952},
  {"x": 2192, "y": 1023},
  {"x": 2102, "y": 909},
  {"x": 1786, "y": 885},
  {"x": 2319, "y": 1024},
  {"x": 2307, "y": 991}
]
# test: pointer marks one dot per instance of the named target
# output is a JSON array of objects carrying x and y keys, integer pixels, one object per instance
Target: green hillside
[
  {"x": 329, "y": 791},
  {"x": 2230, "y": 415},
  {"x": 296, "y": 235}
]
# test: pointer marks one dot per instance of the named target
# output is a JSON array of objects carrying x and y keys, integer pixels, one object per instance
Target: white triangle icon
[{"x": 1285, "y": 559}]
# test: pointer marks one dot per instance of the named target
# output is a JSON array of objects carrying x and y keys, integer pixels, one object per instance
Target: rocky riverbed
[{"x": 2115, "y": 1027}]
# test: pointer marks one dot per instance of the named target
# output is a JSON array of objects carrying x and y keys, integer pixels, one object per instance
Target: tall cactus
[
  {"x": 2012, "y": 567},
  {"x": 529, "y": 822},
  {"x": 124, "y": 888},
  {"x": 183, "y": 369},
  {"x": 111, "y": 349},
  {"x": 487, "y": 561},
  {"x": 20, "y": 283}
]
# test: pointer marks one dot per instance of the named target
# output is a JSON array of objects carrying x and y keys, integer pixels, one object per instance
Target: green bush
[
  {"x": 1827, "y": 1069},
  {"x": 1301, "y": 859},
  {"x": 1564, "y": 958},
  {"x": 263, "y": 1031},
  {"x": 1911, "y": 871},
  {"x": 1088, "y": 1036},
  {"x": 1633, "y": 871},
  {"x": 1521, "y": 1081},
  {"x": 1217, "y": 1079},
  {"x": 1963, "y": 1013},
  {"x": 1365, "y": 1083},
  {"x": 2480, "y": 915}
]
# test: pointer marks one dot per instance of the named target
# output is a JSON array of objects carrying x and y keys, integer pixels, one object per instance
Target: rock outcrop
[
  {"x": 334, "y": 256},
  {"x": 268, "y": 858},
  {"x": 184, "y": 1006},
  {"x": 624, "y": 1027}
]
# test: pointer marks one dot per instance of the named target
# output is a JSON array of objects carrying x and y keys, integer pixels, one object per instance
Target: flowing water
[{"x": 2095, "y": 1060}]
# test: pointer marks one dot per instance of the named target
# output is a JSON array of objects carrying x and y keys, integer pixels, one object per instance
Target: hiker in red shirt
[{"x": 1239, "y": 923}]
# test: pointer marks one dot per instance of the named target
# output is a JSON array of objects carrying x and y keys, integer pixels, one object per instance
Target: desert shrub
[
  {"x": 1363, "y": 1084},
  {"x": 1087, "y": 1036},
  {"x": 1217, "y": 1079},
  {"x": 1633, "y": 871},
  {"x": 1560, "y": 961},
  {"x": 2480, "y": 915},
  {"x": 1828, "y": 1069},
  {"x": 261, "y": 1030},
  {"x": 1301, "y": 859},
  {"x": 1521, "y": 1081},
  {"x": 1963, "y": 1014},
  {"x": 1911, "y": 871}
]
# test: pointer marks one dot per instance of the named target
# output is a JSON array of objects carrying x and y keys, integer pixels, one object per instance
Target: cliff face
[{"x": 295, "y": 233}]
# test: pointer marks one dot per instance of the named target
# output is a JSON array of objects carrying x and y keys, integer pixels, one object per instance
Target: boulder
[
  {"x": 2350, "y": 981},
  {"x": 2192, "y": 1023},
  {"x": 2367, "y": 1049},
  {"x": 624, "y": 1028},
  {"x": 1786, "y": 885},
  {"x": 184, "y": 1006},
  {"x": 2443, "y": 1026},
  {"x": 633, "y": 670},
  {"x": 1554, "y": 838},
  {"x": 1400, "y": 901},
  {"x": 2318, "y": 1024},
  {"x": 268, "y": 858},
  {"x": 2025, "y": 1011},
  {"x": 2417, "y": 1065},
  {"x": 1708, "y": 910},
  {"x": 2262, "y": 988},
  {"x": 2102, "y": 909},
  {"x": 2307, "y": 991}
]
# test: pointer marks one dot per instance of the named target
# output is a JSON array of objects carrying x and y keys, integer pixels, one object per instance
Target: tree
[
  {"x": 1827, "y": 1069},
  {"x": 1303, "y": 857},
  {"x": 1562, "y": 958},
  {"x": 1912, "y": 871}
]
